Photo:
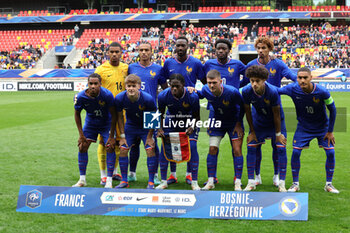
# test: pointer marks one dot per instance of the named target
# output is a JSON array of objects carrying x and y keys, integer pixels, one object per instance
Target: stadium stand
[
  {"x": 21, "y": 49},
  {"x": 203, "y": 9}
]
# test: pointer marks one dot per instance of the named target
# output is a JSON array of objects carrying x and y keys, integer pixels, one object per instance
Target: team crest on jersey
[
  {"x": 102, "y": 103},
  {"x": 142, "y": 107},
  {"x": 316, "y": 100},
  {"x": 185, "y": 105},
  {"x": 226, "y": 103},
  {"x": 231, "y": 70},
  {"x": 189, "y": 70},
  {"x": 266, "y": 101},
  {"x": 272, "y": 71},
  {"x": 153, "y": 74}
]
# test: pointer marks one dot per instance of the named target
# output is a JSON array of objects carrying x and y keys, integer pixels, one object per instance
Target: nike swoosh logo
[
  {"x": 298, "y": 97},
  {"x": 140, "y": 199},
  {"x": 171, "y": 70}
]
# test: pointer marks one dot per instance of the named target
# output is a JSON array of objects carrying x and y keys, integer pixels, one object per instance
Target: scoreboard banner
[{"x": 164, "y": 203}]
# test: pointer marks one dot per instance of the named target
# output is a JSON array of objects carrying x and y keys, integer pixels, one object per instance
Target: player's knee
[
  {"x": 213, "y": 150},
  {"x": 150, "y": 152},
  {"x": 237, "y": 151},
  {"x": 109, "y": 150}
]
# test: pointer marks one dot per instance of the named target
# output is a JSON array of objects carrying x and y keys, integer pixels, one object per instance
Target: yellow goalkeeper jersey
[{"x": 113, "y": 77}]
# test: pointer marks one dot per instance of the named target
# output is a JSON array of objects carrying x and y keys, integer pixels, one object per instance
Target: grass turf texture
[{"x": 38, "y": 146}]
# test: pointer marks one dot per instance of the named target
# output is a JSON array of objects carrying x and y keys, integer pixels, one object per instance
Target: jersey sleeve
[
  {"x": 206, "y": 67},
  {"x": 110, "y": 99},
  {"x": 246, "y": 96},
  {"x": 275, "y": 99},
  {"x": 165, "y": 70},
  {"x": 200, "y": 71},
  {"x": 286, "y": 90},
  {"x": 77, "y": 103},
  {"x": 239, "y": 101},
  {"x": 161, "y": 77},
  {"x": 161, "y": 102},
  {"x": 195, "y": 102},
  {"x": 288, "y": 73},
  {"x": 118, "y": 101},
  {"x": 151, "y": 105}
]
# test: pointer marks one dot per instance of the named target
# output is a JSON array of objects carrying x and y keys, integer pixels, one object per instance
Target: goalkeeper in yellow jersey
[{"x": 113, "y": 73}]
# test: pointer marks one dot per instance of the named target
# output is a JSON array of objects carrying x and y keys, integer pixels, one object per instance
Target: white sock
[
  {"x": 115, "y": 171},
  {"x": 132, "y": 174},
  {"x": 103, "y": 173},
  {"x": 194, "y": 182},
  {"x": 173, "y": 173},
  {"x": 82, "y": 178},
  {"x": 257, "y": 176},
  {"x": 238, "y": 181},
  {"x": 282, "y": 182},
  {"x": 211, "y": 179},
  {"x": 275, "y": 177},
  {"x": 328, "y": 183},
  {"x": 297, "y": 183},
  {"x": 188, "y": 173},
  {"x": 109, "y": 180},
  {"x": 250, "y": 181}
]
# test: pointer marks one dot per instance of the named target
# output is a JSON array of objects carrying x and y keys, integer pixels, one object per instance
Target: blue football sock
[
  {"x": 123, "y": 164},
  {"x": 111, "y": 157},
  {"x": 330, "y": 164},
  {"x": 83, "y": 161},
  {"x": 295, "y": 162},
  {"x": 212, "y": 161},
  {"x": 134, "y": 156},
  {"x": 258, "y": 160},
  {"x": 194, "y": 160},
  {"x": 275, "y": 160},
  {"x": 251, "y": 163},
  {"x": 282, "y": 162},
  {"x": 152, "y": 165},
  {"x": 238, "y": 165},
  {"x": 172, "y": 167},
  {"x": 163, "y": 165}
]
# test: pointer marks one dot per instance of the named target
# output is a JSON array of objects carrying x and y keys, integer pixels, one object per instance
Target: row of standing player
[{"x": 191, "y": 68}]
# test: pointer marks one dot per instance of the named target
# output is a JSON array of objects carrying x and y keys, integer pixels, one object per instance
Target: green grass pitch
[{"x": 38, "y": 146}]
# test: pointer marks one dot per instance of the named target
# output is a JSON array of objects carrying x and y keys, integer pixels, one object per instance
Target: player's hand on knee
[
  {"x": 123, "y": 143},
  {"x": 238, "y": 129},
  {"x": 189, "y": 131},
  {"x": 150, "y": 142},
  {"x": 251, "y": 137},
  {"x": 330, "y": 137},
  {"x": 160, "y": 133},
  {"x": 111, "y": 143},
  {"x": 281, "y": 139}
]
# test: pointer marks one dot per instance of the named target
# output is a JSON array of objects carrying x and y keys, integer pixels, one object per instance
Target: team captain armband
[{"x": 329, "y": 100}]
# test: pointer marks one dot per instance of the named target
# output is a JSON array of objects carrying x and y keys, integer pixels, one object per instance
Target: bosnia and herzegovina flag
[{"x": 176, "y": 147}]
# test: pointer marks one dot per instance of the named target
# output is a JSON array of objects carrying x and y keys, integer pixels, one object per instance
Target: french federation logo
[
  {"x": 151, "y": 120},
  {"x": 289, "y": 206},
  {"x": 34, "y": 198}
]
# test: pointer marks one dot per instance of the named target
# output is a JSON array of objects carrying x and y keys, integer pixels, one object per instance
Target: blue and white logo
[
  {"x": 151, "y": 120},
  {"x": 34, "y": 198},
  {"x": 289, "y": 206}
]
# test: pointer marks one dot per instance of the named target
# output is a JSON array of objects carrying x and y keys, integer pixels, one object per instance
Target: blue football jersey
[
  {"x": 310, "y": 107},
  {"x": 262, "y": 105},
  {"x": 225, "y": 107},
  {"x": 191, "y": 69},
  {"x": 178, "y": 109},
  {"x": 277, "y": 70},
  {"x": 230, "y": 72},
  {"x": 134, "y": 110},
  {"x": 97, "y": 109},
  {"x": 150, "y": 76}
]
